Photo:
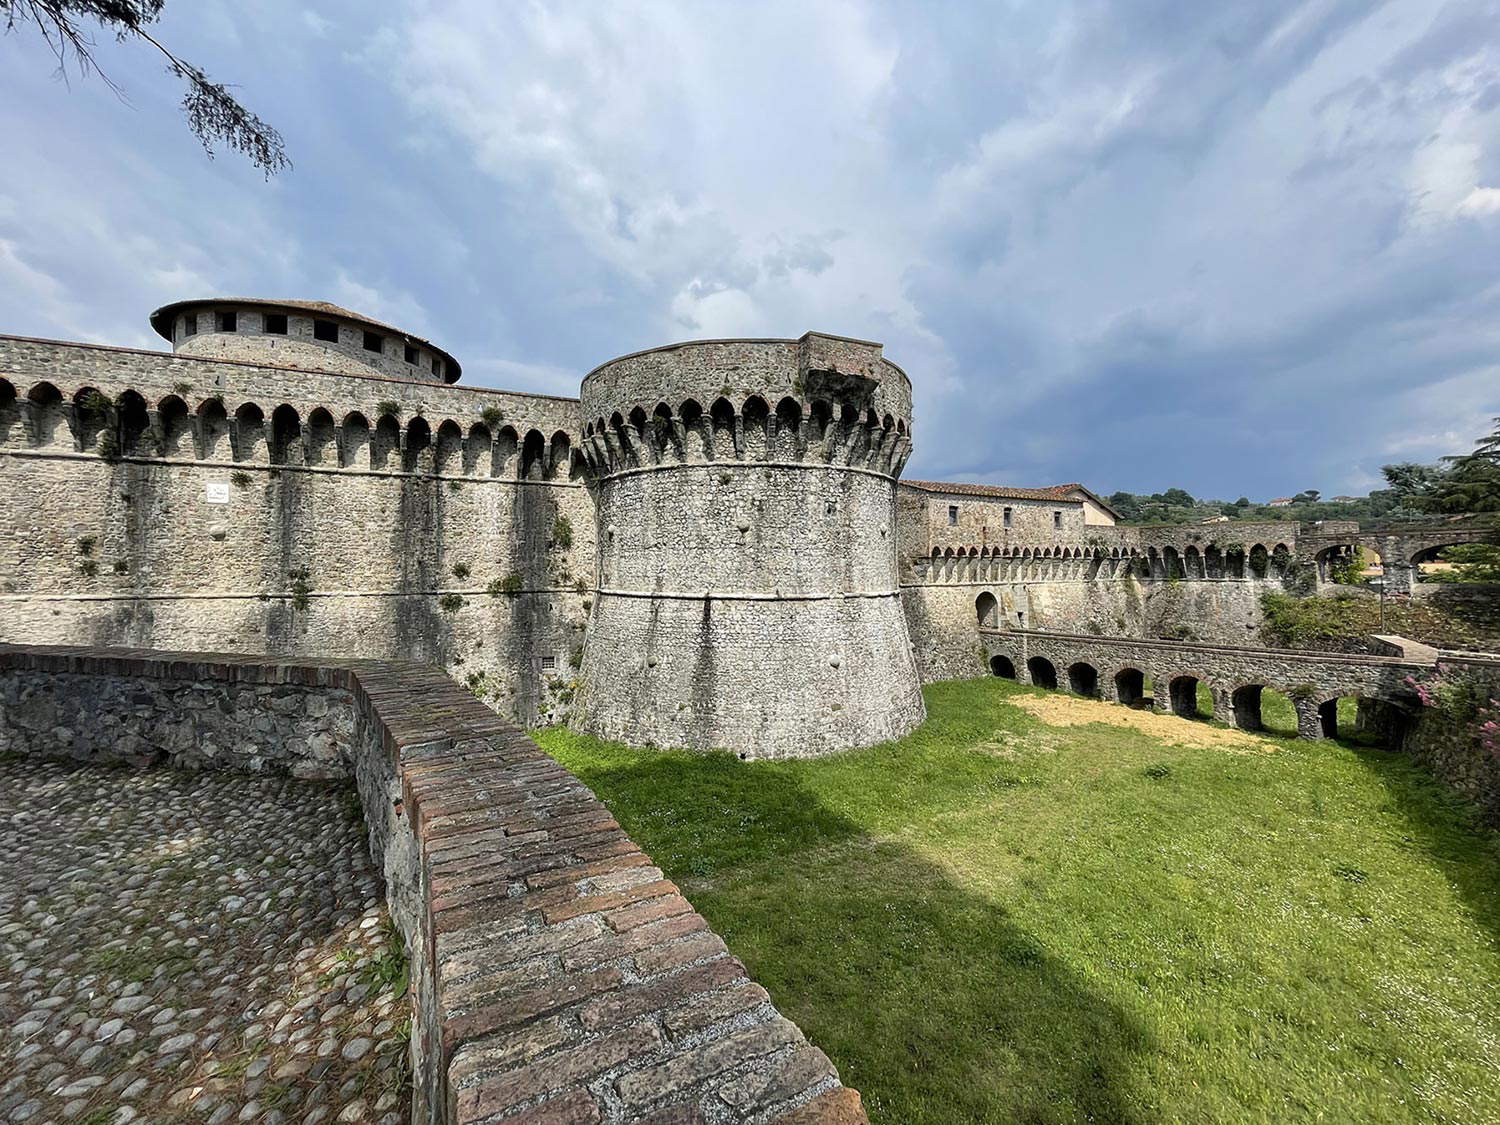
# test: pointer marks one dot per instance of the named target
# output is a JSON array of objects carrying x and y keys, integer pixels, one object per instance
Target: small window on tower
[
  {"x": 326, "y": 330},
  {"x": 374, "y": 342},
  {"x": 411, "y": 354},
  {"x": 952, "y": 514},
  {"x": 229, "y": 321},
  {"x": 1005, "y": 517},
  {"x": 549, "y": 663},
  {"x": 1056, "y": 521},
  {"x": 190, "y": 324},
  {"x": 276, "y": 324},
  {"x": 437, "y": 366}
]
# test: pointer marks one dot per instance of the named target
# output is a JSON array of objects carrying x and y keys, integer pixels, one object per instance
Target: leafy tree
[
  {"x": 1471, "y": 483},
  {"x": 1242, "y": 502},
  {"x": 213, "y": 113}
]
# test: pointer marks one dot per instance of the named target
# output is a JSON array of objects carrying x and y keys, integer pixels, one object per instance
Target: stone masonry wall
[
  {"x": 323, "y": 541},
  {"x": 1448, "y": 744},
  {"x": 556, "y": 975}
]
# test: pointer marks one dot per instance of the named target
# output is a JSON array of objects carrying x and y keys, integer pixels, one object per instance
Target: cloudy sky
[{"x": 1244, "y": 247}]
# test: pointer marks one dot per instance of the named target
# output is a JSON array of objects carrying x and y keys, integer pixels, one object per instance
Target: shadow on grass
[{"x": 937, "y": 1004}]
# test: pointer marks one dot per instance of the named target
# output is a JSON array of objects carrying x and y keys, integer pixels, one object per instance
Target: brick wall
[{"x": 557, "y": 976}]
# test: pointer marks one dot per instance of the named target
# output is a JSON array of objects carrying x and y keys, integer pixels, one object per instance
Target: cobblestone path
[{"x": 195, "y": 947}]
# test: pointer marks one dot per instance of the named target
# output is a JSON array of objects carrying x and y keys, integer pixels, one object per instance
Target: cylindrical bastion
[{"x": 747, "y": 587}]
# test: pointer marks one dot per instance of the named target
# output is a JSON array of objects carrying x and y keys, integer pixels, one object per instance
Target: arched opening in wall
[
  {"x": 1234, "y": 562},
  {"x": 1130, "y": 687},
  {"x": 10, "y": 415},
  {"x": 1158, "y": 568},
  {"x": 696, "y": 441},
  {"x": 44, "y": 403},
  {"x": 176, "y": 427},
  {"x": 1260, "y": 561},
  {"x": 1340, "y": 564},
  {"x": 1366, "y": 721},
  {"x": 1083, "y": 679},
  {"x": 286, "y": 436},
  {"x": 820, "y": 418},
  {"x": 788, "y": 429},
  {"x": 1246, "y": 704},
  {"x": 355, "y": 446},
  {"x": 1190, "y": 698},
  {"x": 477, "y": 450},
  {"x": 1043, "y": 673},
  {"x": 578, "y": 466},
  {"x": 416, "y": 456},
  {"x": 1213, "y": 563},
  {"x": 559, "y": 456},
  {"x": 249, "y": 433},
  {"x": 505, "y": 461},
  {"x": 213, "y": 430},
  {"x": 320, "y": 446},
  {"x": 91, "y": 416},
  {"x": 663, "y": 433},
  {"x": 1278, "y": 714},
  {"x": 1456, "y": 564},
  {"x": 534, "y": 452},
  {"x": 136, "y": 438},
  {"x": 1002, "y": 666},
  {"x": 755, "y": 417},
  {"x": 721, "y": 415},
  {"x": 987, "y": 609},
  {"x": 448, "y": 449},
  {"x": 1140, "y": 566},
  {"x": 1172, "y": 562},
  {"x": 1192, "y": 563},
  {"x": 385, "y": 443},
  {"x": 1281, "y": 561}
]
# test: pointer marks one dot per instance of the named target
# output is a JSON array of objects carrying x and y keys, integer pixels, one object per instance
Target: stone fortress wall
[
  {"x": 747, "y": 595},
  {"x": 711, "y": 548}
]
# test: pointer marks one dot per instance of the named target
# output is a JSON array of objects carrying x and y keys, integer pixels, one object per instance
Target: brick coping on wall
[{"x": 570, "y": 981}]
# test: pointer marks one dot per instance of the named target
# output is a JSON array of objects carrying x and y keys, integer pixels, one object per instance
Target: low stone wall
[{"x": 557, "y": 977}]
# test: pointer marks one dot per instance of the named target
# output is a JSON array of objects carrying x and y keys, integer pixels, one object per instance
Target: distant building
[
  {"x": 1280, "y": 502},
  {"x": 1216, "y": 519},
  {"x": 1347, "y": 499}
]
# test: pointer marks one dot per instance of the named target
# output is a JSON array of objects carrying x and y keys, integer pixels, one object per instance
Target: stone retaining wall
[{"x": 557, "y": 977}]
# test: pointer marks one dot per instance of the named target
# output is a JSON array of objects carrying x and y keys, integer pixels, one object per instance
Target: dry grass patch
[{"x": 1075, "y": 711}]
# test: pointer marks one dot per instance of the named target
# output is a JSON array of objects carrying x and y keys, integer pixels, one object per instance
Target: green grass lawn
[{"x": 997, "y": 920}]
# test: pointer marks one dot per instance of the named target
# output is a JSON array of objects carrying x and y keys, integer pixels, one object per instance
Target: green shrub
[
  {"x": 182, "y": 388},
  {"x": 460, "y": 570},
  {"x": 451, "y": 603},
  {"x": 562, "y": 532},
  {"x": 300, "y": 589},
  {"x": 386, "y": 406},
  {"x": 121, "y": 566},
  {"x": 86, "y": 544},
  {"x": 240, "y": 479},
  {"x": 492, "y": 416},
  {"x": 89, "y": 568}
]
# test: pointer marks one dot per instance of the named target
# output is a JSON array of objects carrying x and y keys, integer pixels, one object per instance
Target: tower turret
[{"x": 747, "y": 589}]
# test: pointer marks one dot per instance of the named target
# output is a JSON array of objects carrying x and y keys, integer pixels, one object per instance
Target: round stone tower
[
  {"x": 747, "y": 588},
  {"x": 309, "y": 335}
]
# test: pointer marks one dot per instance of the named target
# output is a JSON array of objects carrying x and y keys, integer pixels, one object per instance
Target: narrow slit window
[
  {"x": 1056, "y": 521},
  {"x": 952, "y": 515},
  {"x": 326, "y": 330},
  {"x": 1005, "y": 517},
  {"x": 276, "y": 324},
  {"x": 190, "y": 324}
]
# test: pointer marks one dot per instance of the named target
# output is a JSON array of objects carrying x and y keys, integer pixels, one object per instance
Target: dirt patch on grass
[{"x": 1073, "y": 711}]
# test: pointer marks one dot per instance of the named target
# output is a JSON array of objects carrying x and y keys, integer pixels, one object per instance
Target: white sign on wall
[{"x": 216, "y": 492}]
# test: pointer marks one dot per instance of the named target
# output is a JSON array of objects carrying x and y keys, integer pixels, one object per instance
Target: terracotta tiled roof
[{"x": 1056, "y": 492}]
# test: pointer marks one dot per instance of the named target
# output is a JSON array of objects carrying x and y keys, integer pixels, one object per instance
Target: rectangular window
[
  {"x": 326, "y": 330},
  {"x": 549, "y": 663},
  {"x": 437, "y": 366},
  {"x": 190, "y": 324},
  {"x": 229, "y": 321},
  {"x": 411, "y": 354},
  {"x": 952, "y": 514},
  {"x": 276, "y": 324},
  {"x": 1056, "y": 521},
  {"x": 1005, "y": 517},
  {"x": 374, "y": 342}
]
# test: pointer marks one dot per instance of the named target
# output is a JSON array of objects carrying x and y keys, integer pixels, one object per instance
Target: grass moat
[{"x": 1042, "y": 908}]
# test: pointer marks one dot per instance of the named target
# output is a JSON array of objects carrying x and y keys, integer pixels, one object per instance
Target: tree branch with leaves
[{"x": 213, "y": 114}]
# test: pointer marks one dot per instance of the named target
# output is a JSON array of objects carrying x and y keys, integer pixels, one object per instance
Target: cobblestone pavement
[{"x": 195, "y": 947}]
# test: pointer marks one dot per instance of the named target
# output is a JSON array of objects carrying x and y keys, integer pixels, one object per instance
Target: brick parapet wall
[{"x": 557, "y": 976}]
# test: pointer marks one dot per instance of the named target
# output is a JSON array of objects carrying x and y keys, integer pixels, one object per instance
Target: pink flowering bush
[{"x": 1462, "y": 700}]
